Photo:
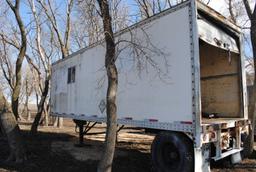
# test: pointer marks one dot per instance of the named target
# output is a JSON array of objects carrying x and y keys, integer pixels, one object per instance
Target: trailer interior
[
  {"x": 220, "y": 83},
  {"x": 221, "y": 99},
  {"x": 220, "y": 69}
]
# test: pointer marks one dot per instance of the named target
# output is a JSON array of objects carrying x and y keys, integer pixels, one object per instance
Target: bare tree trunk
[
  {"x": 26, "y": 109},
  {"x": 27, "y": 94},
  {"x": 169, "y": 3},
  {"x": 63, "y": 42},
  {"x": 20, "y": 58},
  {"x": 29, "y": 115},
  {"x": 55, "y": 121},
  {"x": 105, "y": 165},
  {"x": 252, "y": 105},
  {"x": 11, "y": 129},
  {"x": 46, "y": 113},
  {"x": 231, "y": 12},
  {"x": 40, "y": 107},
  {"x": 8, "y": 121},
  {"x": 58, "y": 122},
  {"x": 15, "y": 140}
]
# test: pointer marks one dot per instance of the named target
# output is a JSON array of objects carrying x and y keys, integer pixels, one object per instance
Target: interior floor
[{"x": 220, "y": 120}]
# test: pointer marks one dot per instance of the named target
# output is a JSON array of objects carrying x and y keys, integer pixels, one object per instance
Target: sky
[{"x": 218, "y": 5}]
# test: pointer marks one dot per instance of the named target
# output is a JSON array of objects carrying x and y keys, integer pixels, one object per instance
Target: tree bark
[
  {"x": 231, "y": 12},
  {"x": 15, "y": 140},
  {"x": 8, "y": 120},
  {"x": 46, "y": 112},
  {"x": 3, "y": 107},
  {"x": 58, "y": 122},
  {"x": 252, "y": 105},
  {"x": 29, "y": 116},
  {"x": 105, "y": 164},
  {"x": 25, "y": 111},
  {"x": 11, "y": 130},
  {"x": 35, "y": 124},
  {"x": 20, "y": 58}
]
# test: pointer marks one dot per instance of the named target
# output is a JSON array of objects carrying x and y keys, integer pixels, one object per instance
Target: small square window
[{"x": 71, "y": 74}]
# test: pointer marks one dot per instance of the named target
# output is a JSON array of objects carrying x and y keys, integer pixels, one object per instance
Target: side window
[{"x": 71, "y": 75}]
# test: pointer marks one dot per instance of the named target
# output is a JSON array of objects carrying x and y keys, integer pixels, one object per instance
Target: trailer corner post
[
  {"x": 202, "y": 161},
  {"x": 201, "y": 152},
  {"x": 195, "y": 70}
]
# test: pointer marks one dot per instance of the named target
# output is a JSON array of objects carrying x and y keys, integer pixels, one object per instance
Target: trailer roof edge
[{"x": 217, "y": 16}]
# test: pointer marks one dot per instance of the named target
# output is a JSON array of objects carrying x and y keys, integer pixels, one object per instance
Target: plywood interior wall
[{"x": 220, "y": 81}]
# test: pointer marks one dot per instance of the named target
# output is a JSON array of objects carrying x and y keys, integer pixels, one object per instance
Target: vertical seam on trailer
[{"x": 194, "y": 73}]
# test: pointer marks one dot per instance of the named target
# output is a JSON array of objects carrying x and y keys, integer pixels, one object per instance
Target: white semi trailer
[{"x": 187, "y": 82}]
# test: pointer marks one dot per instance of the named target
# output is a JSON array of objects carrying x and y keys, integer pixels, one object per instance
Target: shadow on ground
[{"x": 42, "y": 158}]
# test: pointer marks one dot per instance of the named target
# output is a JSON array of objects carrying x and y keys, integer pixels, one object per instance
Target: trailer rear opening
[
  {"x": 220, "y": 82},
  {"x": 223, "y": 96}
]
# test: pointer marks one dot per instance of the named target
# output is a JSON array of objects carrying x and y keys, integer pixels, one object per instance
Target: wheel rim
[{"x": 171, "y": 156}]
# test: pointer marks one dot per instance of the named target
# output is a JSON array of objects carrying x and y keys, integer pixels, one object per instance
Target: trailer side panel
[{"x": 155, "y": 87}]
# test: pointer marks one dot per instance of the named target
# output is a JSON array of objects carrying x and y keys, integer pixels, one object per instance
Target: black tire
[{"x": 172, "y": 152}]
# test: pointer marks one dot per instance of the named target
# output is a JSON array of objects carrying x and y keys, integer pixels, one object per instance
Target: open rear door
[{"x": 215, "y": 36}]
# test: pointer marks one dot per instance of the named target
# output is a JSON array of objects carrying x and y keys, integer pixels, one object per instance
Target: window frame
[{"x": 71, "y": 75}]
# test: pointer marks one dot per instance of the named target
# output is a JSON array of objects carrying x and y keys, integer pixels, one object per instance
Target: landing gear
[
  {"x": 172, "y": 151},
  {"x": 83, "y": 128}
]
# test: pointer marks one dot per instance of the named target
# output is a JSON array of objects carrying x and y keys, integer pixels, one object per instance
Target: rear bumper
[
  {"x": 209, "y": 125},
  {"x": 224, "y": 135}
]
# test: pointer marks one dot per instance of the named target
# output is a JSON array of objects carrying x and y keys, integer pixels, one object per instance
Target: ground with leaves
[{"x": 55, "y": 150}]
